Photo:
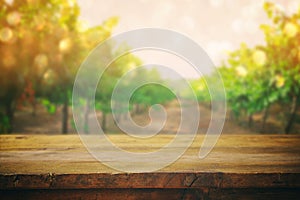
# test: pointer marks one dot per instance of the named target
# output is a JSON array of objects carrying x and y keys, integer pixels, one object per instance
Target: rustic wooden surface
[{"x": 257, "y": 165}]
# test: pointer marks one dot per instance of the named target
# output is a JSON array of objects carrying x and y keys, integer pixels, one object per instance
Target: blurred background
[{"x": 255, "y": 46}]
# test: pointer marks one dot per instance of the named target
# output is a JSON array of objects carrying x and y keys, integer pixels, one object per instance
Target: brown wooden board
[{"x": 33, "y": 165}]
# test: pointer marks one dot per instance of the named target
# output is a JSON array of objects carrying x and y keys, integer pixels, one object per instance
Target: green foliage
[
  {"x": 256, "y": 78},
  {"x": 43, "y": 42},
  {"x": 151, "y": 94},
  {"x": 51, "y": 108},
  {"x": 111, "y": 77},
  {"x": 4, "y": 123},
  {"x": 199, "y": 87},
  {"x": 154, "y": 92}
]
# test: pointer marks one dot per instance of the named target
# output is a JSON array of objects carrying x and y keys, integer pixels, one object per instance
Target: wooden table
[{"x": 239, "y": 167}]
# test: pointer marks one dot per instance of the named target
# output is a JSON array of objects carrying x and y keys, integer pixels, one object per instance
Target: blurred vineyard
[
  {"x": 43, "y": 43},
  {"x": 263, "y": 78}
]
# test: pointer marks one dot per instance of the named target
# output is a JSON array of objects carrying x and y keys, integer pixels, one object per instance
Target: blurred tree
[
  {"x": 256, "y": 78},
  {"x": 155, "y": 92},
  {"x": 108, "y": 81},
  {"x": 283, "y": 53},
  {"x": 247, "y": 82},
  {"x": 110, "y": 75},
  {"x": 42, "y": 44}
]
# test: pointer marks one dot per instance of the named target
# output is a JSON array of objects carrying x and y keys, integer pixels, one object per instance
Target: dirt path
[
  {"x": 173, "y": 121},
  {"x": 47, "y": 123}
]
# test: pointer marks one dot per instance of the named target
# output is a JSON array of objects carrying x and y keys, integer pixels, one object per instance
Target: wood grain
[{"x": 238, "y": 165}]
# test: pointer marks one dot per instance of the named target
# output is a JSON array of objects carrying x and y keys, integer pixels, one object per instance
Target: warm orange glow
[
  {"x": 8, "y": 60},
  {"x": 58, "y": 58},
  {"x": 31, "y": 1},
  {"x": 290, "y": 29},
  {"x": 6, "y": 34},
  {"x": 41, "y": 60},
  {"x": 40, "y": 23},
  {"x": 65, "y": 45},
  {"x": 13, "y": 18},
  {"x": 49, "y": 76}
]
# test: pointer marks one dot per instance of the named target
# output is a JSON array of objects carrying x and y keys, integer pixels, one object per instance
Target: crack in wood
[
  {"x": 169, "y": 180},
  {"x": 189, "y": 184},
  {"x": 51, "y": 179},
  {"x": 219, "y": 180},
  {"x": 16, "y": 180},
  {"x": 194, "y": 180}
]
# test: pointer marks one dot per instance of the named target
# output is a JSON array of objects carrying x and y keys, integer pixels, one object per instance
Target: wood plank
[
  {"x": 149, "y": 180},
  {"x": 103, "y": 194},
  {"x": 62, "y": 154},
  {"x": 237, "y": 161},
  {"x": 157, "y": 194}
]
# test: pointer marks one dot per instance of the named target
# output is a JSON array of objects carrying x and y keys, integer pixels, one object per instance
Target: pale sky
[{"x": 216, "y": 25}]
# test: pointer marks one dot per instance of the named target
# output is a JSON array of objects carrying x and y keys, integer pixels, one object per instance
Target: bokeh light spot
[
  {"x": 65, "y": 45},
  {"x": 241, "y": 71},
  {"x": 13, "y": 18},
  {"x": 6, "y": 34},
  {"x": 259, "y": 57},
  {"x": 41, "y": 60},
  {"x": 279, "y": 81},
  {"x": 290, "y": 29}
]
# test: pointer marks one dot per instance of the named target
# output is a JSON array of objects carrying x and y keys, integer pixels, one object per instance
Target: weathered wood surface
[{"x": 256, "y": 165}]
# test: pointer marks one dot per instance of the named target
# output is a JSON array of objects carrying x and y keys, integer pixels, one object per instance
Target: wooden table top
[{"x": 62, "y": 161}]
